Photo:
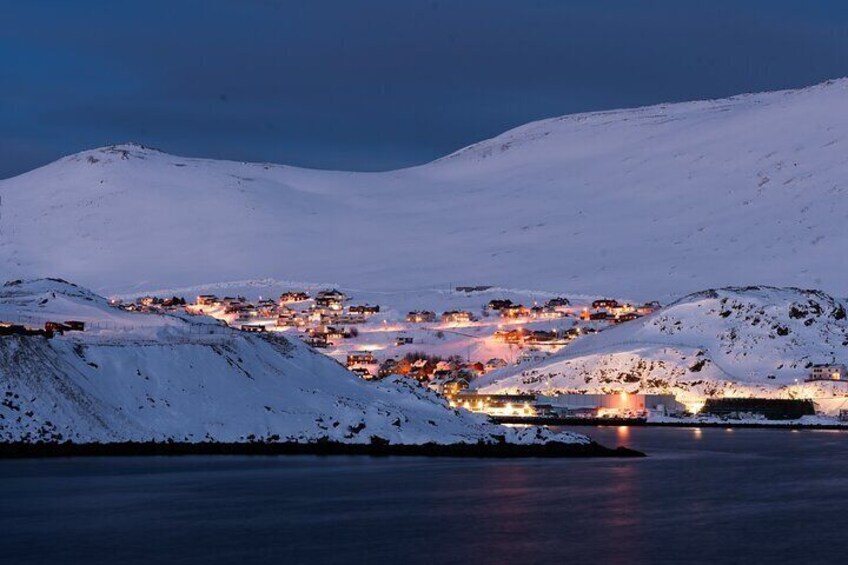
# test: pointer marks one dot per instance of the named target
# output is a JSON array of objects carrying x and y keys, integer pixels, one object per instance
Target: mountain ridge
[{"x": 653, "y": 202}]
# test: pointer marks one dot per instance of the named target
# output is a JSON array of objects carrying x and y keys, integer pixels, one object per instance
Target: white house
[{"x": 825, "y": 372}]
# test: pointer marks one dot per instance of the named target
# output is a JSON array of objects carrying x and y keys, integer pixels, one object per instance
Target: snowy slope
[
  {"x": 645, "y": 203},
  {"x": 724, "y": 342},
  {"x": 142, "y": 377}
]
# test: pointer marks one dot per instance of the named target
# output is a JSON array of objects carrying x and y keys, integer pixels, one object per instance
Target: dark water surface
[{"x": 708, "y": 496}]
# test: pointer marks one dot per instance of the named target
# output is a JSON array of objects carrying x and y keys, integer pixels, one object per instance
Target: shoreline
[
  {"x": 23, "y": 450},
  {"x": 641, "y": 422}
]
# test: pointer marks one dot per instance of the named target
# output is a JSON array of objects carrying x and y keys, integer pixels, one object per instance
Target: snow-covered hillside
[
  {"x": 754, "y": 341},
  {"x": 145, "y": 377},
  {"x": 645, "y": 203}
]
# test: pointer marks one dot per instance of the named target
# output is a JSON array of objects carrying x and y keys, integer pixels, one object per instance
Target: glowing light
[{"x": 694, "y": 406}]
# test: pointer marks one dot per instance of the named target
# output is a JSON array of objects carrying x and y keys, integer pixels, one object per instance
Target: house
[
  {"x": 621, "y": 309},
  {"x": 292, "y": 296},
  {"x": 421, "y": 370},
  {"x": 350, "y": 319},
  {"x": 827, "y": 372},
  {"x": 594, "y": 316},
  {"x": 498, "y": 304},
  {"x": 558, "y": 303},
  {"x": 444, "y": 366},
  {"x": 546, "y": 313},
  {"x": 403, "y": 340},
  {"x": 238, "y": 308},
  {"x": 320, "y": 314},
  {"x": 389, "y": 367},
  {"x": 441, "y": 375},
  {"x": 604, "y": 303},
  {"x": 515, "y": 311},
  {"x": 364, "y": 309},
  {"x": 206, "y": 300},
  {"x": 648, "y": 308},
  {"x": 333, "y": 332},
  {"x": 424, "y": 316},
  {"x": 628, "y": 317},
  {"x": 265, "y": 310},
  {"x": 330, "y": 299},
  {"x": 540, "y": 337},
  {"x": 287, "y": 317},
  {"x": 494, "y": 364},
  {"x": 360, "y": 358},
  {"x": 317, "y": 341},
  {"x": 572, "y": 333},
  {"x": 453, "y": 386},
  {"x": 286, "y": 313},
  {"x": 253, "y": 328},
  {"x": 511, "y": 336},
  {"x": 457, "y": 317},
  {"x": 363, "y": 372}
]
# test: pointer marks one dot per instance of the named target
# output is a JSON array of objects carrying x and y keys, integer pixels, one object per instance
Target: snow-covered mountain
[
  {"x": 644, "y": 203},
  {"x": 753, "y": 341},
  {"x": 145, "y": 377}
]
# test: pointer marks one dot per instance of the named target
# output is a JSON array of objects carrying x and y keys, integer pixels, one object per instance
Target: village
[
  {"x": 443, "y": 349},
  {"x": 475, "y": 332},
  {"x": 447, "y": 349}
]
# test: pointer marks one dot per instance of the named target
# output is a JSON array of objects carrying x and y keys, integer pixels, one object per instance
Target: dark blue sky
[{"x": 376, "y": 84}]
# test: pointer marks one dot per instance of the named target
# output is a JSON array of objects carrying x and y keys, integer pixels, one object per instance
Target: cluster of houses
[
  {"x": 237, "y": 306},
  {"x": 151, "y": 304},
  {"x": 552, "y": 309},
  {"x": 438, "y": 374},
  {"x": 609, "y": 309},
  {"x": 604, "y": 309},
  {"x": 525, "y": 337},
  {"x": 326, "y": 317}
]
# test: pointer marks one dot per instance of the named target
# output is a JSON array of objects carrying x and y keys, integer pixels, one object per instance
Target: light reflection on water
[{"x": 702, "y": 496}]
